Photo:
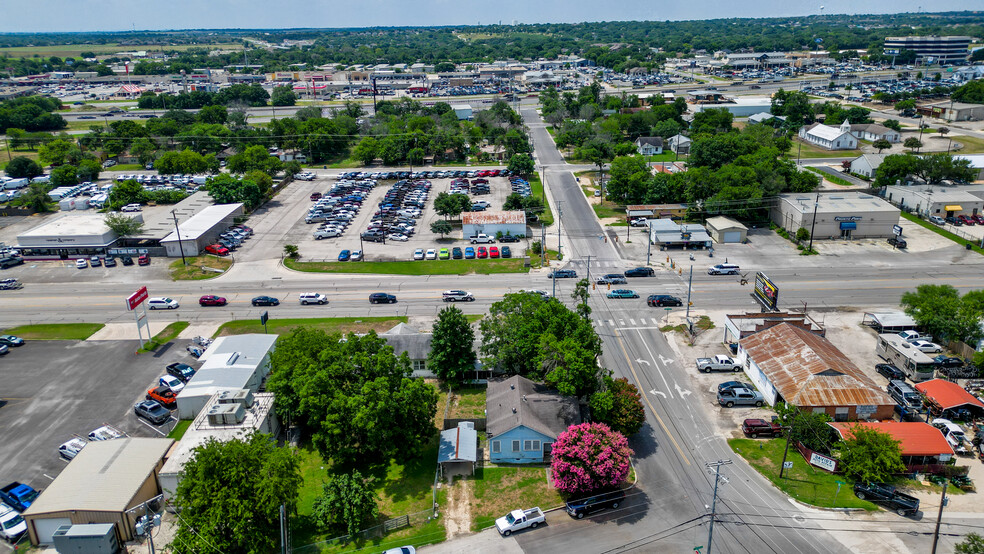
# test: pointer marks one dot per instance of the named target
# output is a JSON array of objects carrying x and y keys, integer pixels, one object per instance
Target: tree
[
  {"x": 451, "y": 205},
  {"x": 217, "y": 115},
  {"x": 513, "y": 202},
  {"x": 441, "y": 226},
  {"x": 123, "y": 225},
  {"x": 451, "y": 357},
  {"x": 254, "y": 158},
  {"x": 64, "y": 176},
  {"x": 897, "y": 168},
  {"x": 230, "y": 495},
  {"x": 941, "y": 311},
  {"x": 521, "y": 164},
  {"x": 568, "y": 366},
  {"x": 893, "y": 124},
  {"x": 807, "y": 427},
  {"x": 88, "y": 170},
  {"x": 36, "y": 198},
  {"x": 58, "y": 152},
  {"x": 881, "y": 144},
  {"x": 871, "y": 456},
  {"x": 354, "y": 398},
  {"x": 366, "y": 151},
  {"x": 22, "y": 167},
  {"x": 589, "y": 457},
  {"x": 972, "y": 543},
  {"x": 912, "y": 143},
  {"x": 127, "y": 192},
  {"x": 290, "y": 250},
  {"x": 619, "y": 406},
  {"x": 347, "y": 504},
  {"x": 581, "y": 293},
  {"x": 942, "y": 131},
  {"x": 905, "y": 105},
  {"x": 416, "y": 156},
  {"x": 283, "y": 96}
]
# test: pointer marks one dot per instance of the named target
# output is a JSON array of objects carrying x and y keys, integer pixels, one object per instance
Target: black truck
[{"x": 880, "y": 493}]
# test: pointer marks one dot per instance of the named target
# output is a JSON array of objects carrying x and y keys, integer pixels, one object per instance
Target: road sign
[
  {"x": 264, "y": 317},
  {"x": 898, "y": 230},
  {"x": 787, "y": 465},
  {"x": 136, "y": 299},
  {"x": 668, "y": 309}
]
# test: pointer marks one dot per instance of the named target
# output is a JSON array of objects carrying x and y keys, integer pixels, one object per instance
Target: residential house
[
  {"x": 523, "y": 420},
  {"x": 874, "y": 131},
  {"x": 679, "y": 144},
  {"x": 649, "y": 146},
  {"x": 764, "y": 117},
  {"x": 866, "y": 164}
]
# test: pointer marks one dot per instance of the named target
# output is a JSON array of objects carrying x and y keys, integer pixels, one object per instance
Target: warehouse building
[
  {"x": 491, "y": 223},
  {"x": 847, "y": 215},
  {"x": 940, "y": 200},
  {"x": 103, "y": 484},
  {"x": 230, "y": 363},
  {"x": 725, "y": 230},
  {"x": 201, "y": 230}
]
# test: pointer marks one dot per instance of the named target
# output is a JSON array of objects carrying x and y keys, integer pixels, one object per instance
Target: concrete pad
[
  {"x": 199, "y": 330},
  {"x": 126, "y": 331}
]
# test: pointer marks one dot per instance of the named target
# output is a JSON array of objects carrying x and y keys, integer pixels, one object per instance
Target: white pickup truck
[
  {"x": 717, "y": 363},
  {"x": 482, "y": 239},
  {"x": 519, "y": 519}
]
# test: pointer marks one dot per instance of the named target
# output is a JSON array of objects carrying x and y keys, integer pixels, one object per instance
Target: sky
[{"x": 122, "y": 15}]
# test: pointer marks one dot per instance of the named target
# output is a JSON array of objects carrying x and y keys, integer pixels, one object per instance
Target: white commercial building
[
  {"x": 846, "y": 215},
  {"x": 940, "y": 200},
  {"x": 230, "y": 363},
  {"x": 491, "y": 223},
  {"x": 201, "y": 230},
  {"x": 463, "y": 111},
  {"x": 227, "y": 415},
  {"x": 68, "y": 236}
]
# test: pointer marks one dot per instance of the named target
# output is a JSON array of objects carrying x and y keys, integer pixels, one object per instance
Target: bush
[
  {"x": 589, "y": 457},
  {"x": 802, "y": 234}
]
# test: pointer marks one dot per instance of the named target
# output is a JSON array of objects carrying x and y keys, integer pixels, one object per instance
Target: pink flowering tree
[{"x": 588, "y": 457}]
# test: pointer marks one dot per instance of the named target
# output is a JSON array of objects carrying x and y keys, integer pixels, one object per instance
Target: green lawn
[
  {"x": 195, "y": 268},
  {"x": 165, "y": 336},
  {"x": 179, "y": 429},
  {"x": 420, "y": 267},
  {"x": 971, "y": 145},
  {"x": 468, "y": 402},
  {"x": 472, "y": 318},
  {"x": 943, "y": 232},
  {"x": 803, "y": 482},
  {"x": 497, "y": 490},
  {"x": 831, "y": 178},
  {"x": 329, "y": 324},
  {"x": 536, "y": 187},
  {"x": 55, "y": 331}
]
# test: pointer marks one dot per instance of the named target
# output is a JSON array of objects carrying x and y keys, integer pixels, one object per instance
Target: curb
[{"x": 840, "y": 510}]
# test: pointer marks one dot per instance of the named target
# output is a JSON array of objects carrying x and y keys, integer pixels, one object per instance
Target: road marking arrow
[
  {"x": 666, "y": 360},
  {"x": 655, "y": 392},
  {"x": 682, "y": 392},
  {"x": 641, "y": 361}
]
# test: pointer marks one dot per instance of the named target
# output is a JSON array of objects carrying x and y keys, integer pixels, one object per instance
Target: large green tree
[
  {"x": 23, "y": 167},
  {"x": 127, "y": 192},
  {"x": 521, "y": 164},
  {"x": 942, "y": 313},
  {"x": 254, "y": 158},
  {"x": 123, "y": 225},
  {"x": 230, "y": 494},
  {"x": 619, "y": 405},
  {"x": 452, "y": 355},
  {"x": 871, "y": 456},
  {"x": 354, "y": 398},
  {"x": 972, "y": 543},
  {"x": 348, "y": 503}
]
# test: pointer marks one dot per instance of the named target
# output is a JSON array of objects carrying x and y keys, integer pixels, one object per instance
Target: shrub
[{"x": 588, "y": 457}]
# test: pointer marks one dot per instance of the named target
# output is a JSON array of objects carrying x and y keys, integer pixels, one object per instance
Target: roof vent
[
  {"x": 232, "y": 358},
  {"x": 524, "y": 398},
  {"x": 512, "y": 386},
  {"x": 514, "y": 410}
]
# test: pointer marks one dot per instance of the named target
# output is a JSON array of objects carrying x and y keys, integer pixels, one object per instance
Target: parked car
[
  {"x": 740, "y": 397},
  {"x": 212, "y": 300},
  {"x": 81, "y": 263},
  {"x": 508, "y": 238},
  {"x": 456, "y": 253},
  {"x": 344, "y": 255},
  {"x": 184, "y": 372},
  {"x": 327, "y": 233},
  {"x": 162, "y": 395},
  {"x": 482, "y": 252},
  {"x": 12, "y": 525},
  {"x": 719, "y": 362},
  {"x": 506, "y": 252},
  {"x": 732, "y": 385},
  {"x": 172, "y": 383},
  {"x": 381, "y": 298},
  {"x": 937, "y": 220},
  {"x": 106, "y": 433},
  {"x": 126, "y": 260},
  {"x": 431, "y": 254},
  {"x": 953, "y": 221},
  {"x": 110, "y": 262},
  {"x": 595, "y": 503},
  {"x": 660, "y": 300},
  {"x": 469, "y": 252},
  {"x": 760, "y": 427},
  {"x": 444, "y": 254},
  {"x": 11, "y": 340},
  {"x": 897, "y": 242},
  {"x": 519, "y": 519},
  {"x": 927, "y": 346},
  {"x": 901, "y": 503},
  {"x": 941, "y": 360},
  {"x": 356, "y": 256},
  {"x": 265, "y": 301},
  {"x": 69, "y": 450},
  {"x": 418, "y": 254},
  {"x": 965, "y": 220},
  {"x": 143, "y": 259},
  {"x": 640, "y": 272},
  {"x": 94, "y": 261},
  {"x": 623, "y": 293},
  {"x": 890, "y": 371},
  {"x": 152, "y": 411}
]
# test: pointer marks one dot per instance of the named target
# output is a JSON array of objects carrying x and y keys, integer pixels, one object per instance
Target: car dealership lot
[{"x": 53, "y": 390}]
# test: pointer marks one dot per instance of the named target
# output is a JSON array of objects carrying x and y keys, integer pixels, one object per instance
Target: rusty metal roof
[
  {"x": 915, "y": 437},
  {"x": 808, "y": 370},
  {"x": 491, "y": 218}
]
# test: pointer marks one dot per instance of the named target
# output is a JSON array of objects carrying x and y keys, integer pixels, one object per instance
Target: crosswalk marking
[
  {"x": 610, "y": 322},
  {"x": 631, "y": 322}
]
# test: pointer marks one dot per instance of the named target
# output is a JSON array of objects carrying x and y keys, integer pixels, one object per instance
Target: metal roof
[
  {"x": 948, "y": 395},
  {"x": 518, "y": 401},
  {"x": 103, "y": 477},
  {"x": 458, "y": 445},
  {"x": 916, "y": 438},
  {"x": 721, "y": 223},
  {"x": 837, "y": 203},
  {"x": 203, "y": 222},
  {"x": 490, "y": 218},
  {"x": 808, "y": 370}
]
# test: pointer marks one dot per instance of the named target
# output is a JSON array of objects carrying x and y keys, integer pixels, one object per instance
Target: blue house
[{"x": 524, "y": 418}]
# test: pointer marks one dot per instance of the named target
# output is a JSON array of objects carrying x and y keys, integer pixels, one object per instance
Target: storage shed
[
  {"x": 458, "y": 450},
  {"x": 948, "y": 399},
  {"x": 725, "y": 230}
]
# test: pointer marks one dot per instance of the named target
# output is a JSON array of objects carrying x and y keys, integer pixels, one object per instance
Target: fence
[{"x": 377, "y": 531}]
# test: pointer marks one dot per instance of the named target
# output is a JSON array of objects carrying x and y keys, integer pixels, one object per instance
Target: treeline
[
  {"x": 248, "y": 95},
  {"x": 31, "y": 113}
]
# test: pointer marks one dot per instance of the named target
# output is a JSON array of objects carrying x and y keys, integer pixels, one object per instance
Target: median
[{"x": 420, "y": 267}]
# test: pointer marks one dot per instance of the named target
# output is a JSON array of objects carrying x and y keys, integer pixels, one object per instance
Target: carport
[
  {"x": 458, "y": 450},
  {"x": 947, "y": 399}
]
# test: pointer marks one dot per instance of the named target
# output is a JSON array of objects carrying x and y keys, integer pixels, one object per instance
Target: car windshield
[
  {"x": 13, "y": 522},
  {"x": 29, "y": 498},
  {"x": 510, "y": 518}
]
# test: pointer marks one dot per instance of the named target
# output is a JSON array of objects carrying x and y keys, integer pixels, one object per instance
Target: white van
[
  {"x": 723, "y": 269},
  {"x": 312, "y": 298},
  {"x": 162, "y": 303}
]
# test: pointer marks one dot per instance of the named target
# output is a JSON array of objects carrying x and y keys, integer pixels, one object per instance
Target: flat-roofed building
[{"x": 932, "y": 48}]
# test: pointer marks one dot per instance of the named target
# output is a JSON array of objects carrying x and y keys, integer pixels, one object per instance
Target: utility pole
[
  {"x": 560, "y": 215},
  {"x": 283, "y": 530},
  {"x": 813, "y": 225},
  {"x": 649, "y": 242},
  {"x": 690, "y": 288},
  {"x": 178, "y": 232},
  {"x": 939, "y": 517},
  {"x": 717, "y": 475}
]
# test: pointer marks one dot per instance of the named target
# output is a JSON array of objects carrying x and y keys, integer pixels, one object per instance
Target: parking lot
[
  {"x": 53, "y": 390},
  {"x": 301, "y": 233}
]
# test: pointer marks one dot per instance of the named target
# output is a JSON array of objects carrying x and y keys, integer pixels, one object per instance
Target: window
[
  {"x": 515, "y": 446},
  {"x": 841, "y": 414},
  {"x": 419, "y": 365},
  {"x": 536, "y": 446},
  {"x": 531, "y": 446},
  {"x": 495, "y": 447}
]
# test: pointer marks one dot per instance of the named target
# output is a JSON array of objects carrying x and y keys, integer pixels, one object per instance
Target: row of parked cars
[
  {"x": 388, "y": 175},
  {"x": 338, "y": 207},
  {"x": 458, "y": 253},
  {"x": 71, "y": 448},
  {"x": 110, "y": 261},
  {"x": 958, "y": 220},
  {"x": 230, "y": 240},
  {"x": 401, "y": 206}
]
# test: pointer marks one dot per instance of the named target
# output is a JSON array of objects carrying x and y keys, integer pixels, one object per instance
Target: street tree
[
  {"x": 589, "y": 457},
  {"x": 871, "y": 456},
  {"x": 905, "y": 105},
  {"x": 213, "y": 115},
  {"x": 123, "y": 225},
  {"x": 451, "y": 356},
  {"x": 942, "y": 131},
  {"x": 230, "y": 495},
  {"x": 619, "y": 405},
  {"x": 881, "y": 144},
  {"x": 972, "y": 544},
  {"x": 581, "y": 293},
  {"x": 354, "y": 398},
  {"x": 912, "y": 143},
  {"x": 807, "y": 427},
  {"x": 291, "y": 251},
  {"x": 348, "y": 503},
  {"x": 441, "y": 226},
  {"x": 22, "y": 167},
  {"x": 568, "y": 366},
  {"x": 521, "y": 164}
]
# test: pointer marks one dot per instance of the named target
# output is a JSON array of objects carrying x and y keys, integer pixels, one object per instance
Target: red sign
[{"x": 136, "y": 299}]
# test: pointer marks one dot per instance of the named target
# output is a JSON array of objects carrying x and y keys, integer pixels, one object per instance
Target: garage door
[
  {"x": 732, "y": 236},
  {"x": 47, "y": 527}
]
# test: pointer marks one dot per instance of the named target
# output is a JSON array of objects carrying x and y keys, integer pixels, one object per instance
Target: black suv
[
  {"x": 640, "y": 272},
  {"x": 659, "y": 300},
  {"x": 897, "y": 242},
  {"x": 508, "y": 238},
  {"x": 890, "y": 371},
  {"x": 589, "y": 505},
  {"x": 381, "y": 298}
]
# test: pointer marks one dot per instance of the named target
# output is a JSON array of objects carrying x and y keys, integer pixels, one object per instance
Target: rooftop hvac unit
[
  {"x": 234, "y": 414},
  {"x": 215, "y": 416},
  {"x": 243, "y": 397},
  {"x": 227, "y": 397}
]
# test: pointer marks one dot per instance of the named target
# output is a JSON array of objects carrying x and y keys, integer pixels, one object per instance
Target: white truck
[
  {"x": 717, "y": 363},
  {"x": 482, "y": 239},
  {"x": 519, "y": 519},
  {"x": 12, "y": 525}
]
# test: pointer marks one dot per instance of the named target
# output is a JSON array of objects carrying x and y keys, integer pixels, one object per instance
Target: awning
[
  {"x": 848, "y": 225},
  {"x": 953, "y": 208}
]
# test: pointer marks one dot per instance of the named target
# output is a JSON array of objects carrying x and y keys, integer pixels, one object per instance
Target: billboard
[
  {"x": 766, "y": 291},
  {"x": 136, "y": 299}
]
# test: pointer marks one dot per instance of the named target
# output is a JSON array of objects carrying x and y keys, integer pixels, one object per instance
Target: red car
[
  {"x": 217, "y": 249},
  {"x": 482, "y": 252},
  {"x": 163, "y": 395},
  {"x": 315, "y": 196},
  {"x": 965, "y": 220},
  {"x": 144, "y": 259},
  {"x": 212, "y": 300},
  {"x": 493, "y": 251},
  {"x": 978, "y": 218}
]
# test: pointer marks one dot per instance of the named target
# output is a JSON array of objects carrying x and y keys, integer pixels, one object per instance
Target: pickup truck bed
[{"x": 903, "y": 504}]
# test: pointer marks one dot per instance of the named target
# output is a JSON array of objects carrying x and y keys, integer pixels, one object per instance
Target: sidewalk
[
  {"x": 127, "y": 331},
  {"x": 486, "y": 541}
]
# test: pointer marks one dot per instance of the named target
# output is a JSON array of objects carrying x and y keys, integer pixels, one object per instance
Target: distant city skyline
[{"x": 124, "y": 15}]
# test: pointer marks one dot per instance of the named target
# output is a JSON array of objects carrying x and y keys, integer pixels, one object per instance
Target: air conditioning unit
[
  {"x": 243, "y": 397},
  {"x": 234, "y": 414},
  {"x": 227, "y": 397},
  {"x": 215, "y": 416}
]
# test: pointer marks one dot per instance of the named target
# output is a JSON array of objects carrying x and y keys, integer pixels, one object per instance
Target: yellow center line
[{"x": 618, "y": 336}]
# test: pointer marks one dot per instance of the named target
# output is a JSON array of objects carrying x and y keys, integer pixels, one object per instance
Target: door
[
  {"x": 46, "y": 527},
  {"x": 846, "y": 233},
  {"x": 732, "y": 237}
]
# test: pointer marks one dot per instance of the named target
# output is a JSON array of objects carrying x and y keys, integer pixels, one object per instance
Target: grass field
[
  {"x": 536, "y": 187},
  {"x": 329, "y": 324},
  {"x": 5, "y": 157},
  {"x": 497, "y": 490},
  {"x": 971, "y": 145},
  {"x": 55, "y": 331},
  {"x": 165, "y": 336},
  {"x": 421, "y": 267},
  {"x": 75, "y": 50},
  {"x": 179, "y": 429},
  {"x": 831, "y": 178},
  {"x": 468, "y": 402},
  {"x": 803, "y": 482},
  {"x": 195, "y": 271}
]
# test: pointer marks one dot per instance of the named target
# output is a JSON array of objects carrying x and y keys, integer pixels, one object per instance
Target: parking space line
[{"x": 154, "y": 428}]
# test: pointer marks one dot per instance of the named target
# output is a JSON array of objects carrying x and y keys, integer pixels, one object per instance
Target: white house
[
  {"x": 831, "y": 138},
  {"x": 679, "y": 144},
  {"x": 649, "y": 146},
  {"x": 874, "y": 131},
  {"x": 866, "y": 164}
]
